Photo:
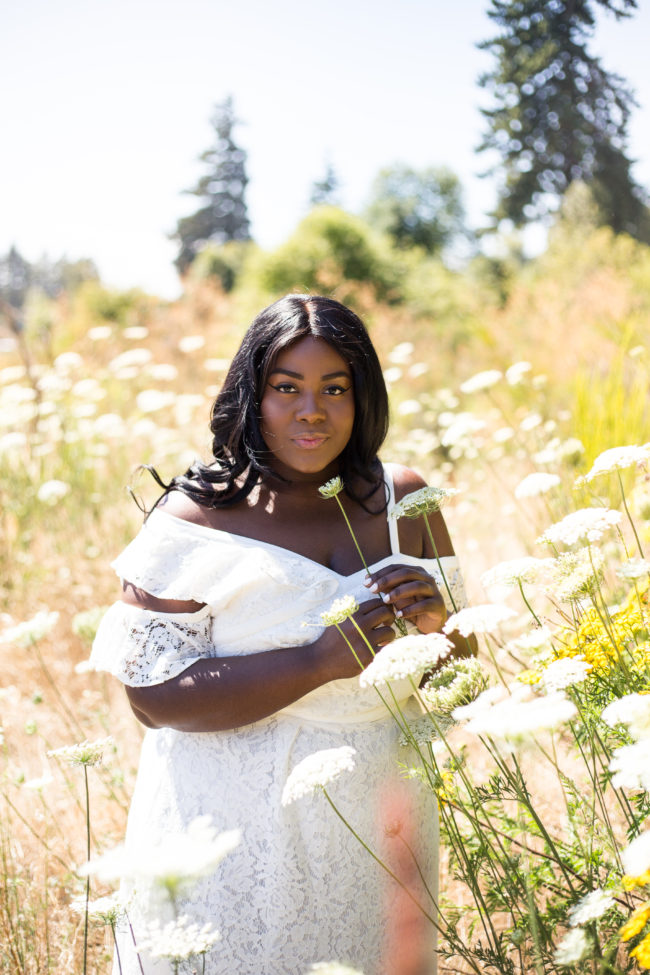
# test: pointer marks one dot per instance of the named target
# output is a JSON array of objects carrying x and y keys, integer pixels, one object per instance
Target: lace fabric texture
[{"x": 299, "y": 888}]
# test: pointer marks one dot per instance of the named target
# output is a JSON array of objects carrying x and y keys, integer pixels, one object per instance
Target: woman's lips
[{"x": 307, "y": 442}]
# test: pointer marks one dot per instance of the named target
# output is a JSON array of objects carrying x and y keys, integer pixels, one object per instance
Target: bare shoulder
[
  {"x": 405, "y": 481},
  {"x": 180, "y": 505}
]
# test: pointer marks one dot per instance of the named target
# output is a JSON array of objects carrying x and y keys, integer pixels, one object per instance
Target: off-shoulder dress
[{"x": 299, "y": 888}]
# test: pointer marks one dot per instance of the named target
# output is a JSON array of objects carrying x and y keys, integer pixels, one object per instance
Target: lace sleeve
[{"x": 141, "y": 647}]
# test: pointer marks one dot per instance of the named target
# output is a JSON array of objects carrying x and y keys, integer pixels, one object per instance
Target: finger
[
  {"x": 433, "y": 608},
  {"x": 395, "y": 575},
  {"x": 409, "y": 591}
]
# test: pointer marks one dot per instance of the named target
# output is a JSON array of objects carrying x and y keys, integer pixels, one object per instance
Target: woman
[{"x": 226, "y": 661}]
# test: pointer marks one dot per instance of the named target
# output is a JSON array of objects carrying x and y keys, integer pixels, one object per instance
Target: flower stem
[
  {"x": 629, "y": 516},
  {"x": 88, "y": 877}
]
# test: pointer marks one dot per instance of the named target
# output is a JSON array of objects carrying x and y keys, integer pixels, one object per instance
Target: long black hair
[{"x": 238, "y": 447}]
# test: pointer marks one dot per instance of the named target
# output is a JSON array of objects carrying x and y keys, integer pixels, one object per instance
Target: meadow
[{"x": 507, "y": 389}]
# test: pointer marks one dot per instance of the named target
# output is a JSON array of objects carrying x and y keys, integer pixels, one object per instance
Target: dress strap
[{"x": 390, "y": 504}]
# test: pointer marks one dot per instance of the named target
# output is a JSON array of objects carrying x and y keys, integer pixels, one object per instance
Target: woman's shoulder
[
  {"x": 414, "y": 531},
  {"x": 182, "y": 506},
  {"x": 405, "y": 480}
]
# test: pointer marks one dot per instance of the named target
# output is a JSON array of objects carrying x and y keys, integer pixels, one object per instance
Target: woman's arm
[{"x": 221, "y": 693}]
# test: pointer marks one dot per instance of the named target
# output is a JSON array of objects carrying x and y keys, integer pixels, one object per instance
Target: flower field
[{"x": 539, "y": 754}]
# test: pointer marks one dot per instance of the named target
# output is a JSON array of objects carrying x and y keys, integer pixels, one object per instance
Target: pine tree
[
  {"x": 558, "y": 115},
  {"x": 222, "y": 190},
  {"x": 324, "y": 192},
  {"x": 417, "y": 207}
]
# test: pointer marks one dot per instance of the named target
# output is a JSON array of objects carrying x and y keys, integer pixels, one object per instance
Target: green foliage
[
  {"x": 223, "y": 215},
  {"x": 328, "y": 248},
  {"x": 558, "y": 115},
  {"x": 222, "y": 263},
  {"x": 417, "y": 207}
]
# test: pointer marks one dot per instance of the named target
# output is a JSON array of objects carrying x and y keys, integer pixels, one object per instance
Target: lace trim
[{"x": 141, "y": 647}]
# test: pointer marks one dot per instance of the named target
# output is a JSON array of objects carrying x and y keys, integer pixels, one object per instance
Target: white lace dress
[{"x": 299, "y": 888}]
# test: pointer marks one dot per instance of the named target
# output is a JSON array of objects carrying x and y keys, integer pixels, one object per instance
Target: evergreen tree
[
  {"x": 324, "y": 192},
  {"x": 558, "y": 115},
  {"x": 223, "y": 215},
  {"x": 420, "y": 208}
]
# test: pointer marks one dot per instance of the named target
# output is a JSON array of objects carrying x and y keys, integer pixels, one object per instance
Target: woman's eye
[
  {"x": 285, "y": 387},
  {"x": 335, "y": 390}
]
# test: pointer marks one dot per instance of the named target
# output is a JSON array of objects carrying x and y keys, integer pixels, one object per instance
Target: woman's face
[{"x": 307, "y": 409}]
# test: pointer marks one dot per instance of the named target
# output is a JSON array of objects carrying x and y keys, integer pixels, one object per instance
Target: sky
[{"x": 106, "y": 106}]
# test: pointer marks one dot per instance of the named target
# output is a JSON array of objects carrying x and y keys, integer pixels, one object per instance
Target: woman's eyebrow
[{"x": 299, "y": 375}]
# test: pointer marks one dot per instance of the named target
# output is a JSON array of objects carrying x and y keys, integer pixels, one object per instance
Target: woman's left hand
[{"x": 412, "y": 593}]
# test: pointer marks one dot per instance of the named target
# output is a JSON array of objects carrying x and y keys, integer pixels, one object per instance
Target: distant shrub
[
  {"x": 222, "y": 264},
  {"x": 328, "y": 248}
]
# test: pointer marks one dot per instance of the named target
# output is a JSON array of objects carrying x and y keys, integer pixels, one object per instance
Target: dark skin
[{"x": 306, "y": 415}]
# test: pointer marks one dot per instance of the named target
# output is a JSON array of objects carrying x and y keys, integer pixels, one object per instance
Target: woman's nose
[{"x": 310, "y": 408}]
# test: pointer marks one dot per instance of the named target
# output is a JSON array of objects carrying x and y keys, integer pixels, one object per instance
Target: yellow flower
[
  {"x": 635, "y": 923},
  {"x": 642, "y": 952},
  {"x": 629, "y": 882},
  {"x": 445, "y": 790},
  {"x": 529, "y": 677}
]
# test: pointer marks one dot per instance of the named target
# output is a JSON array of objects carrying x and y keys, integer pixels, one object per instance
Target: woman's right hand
[{"x": 345, "y": 651}]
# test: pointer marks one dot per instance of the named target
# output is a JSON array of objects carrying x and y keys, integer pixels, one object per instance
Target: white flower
[
  {"x": 482, "y": 380},
  {"x": 340, "y": 610},
  {"x": 131, "y": 359},
  {"x": 105, "y": 910},
  {"x": 631, "y": 766},
  {"x": 636, "y": 855},
  {"x": 85, "y": 753},
  {"x": 38, "y": 784},
  {"x": 455, "y": 684},
  {"x": 99, "y": 332},
  {"x": 483, "y": 702},
  {"x": 392, "y": 375},
  {"x": 485, "y": 618},
  {"x": 316, "y": 771},
  {"x": 409, "y": 407},
  {"x": 584, "y": 525},
  {"x": 571, "y": 450},
  {"x": 573, "y": 946},
  {"x": 460, "y": 426},
  {"x": 50, "y": 492},
  {"x": 24, "y": 634},
  {"x": 331, "y": 488},
  {"x": 535, "y": 484},
  {"x": 510, "y": 573},
  {"x": 618, "y": 459},
  {"x": 401, "y": 353},
  {"x": 191, "y": 343},
  {"x": 406, "y": 657},
  {"x": 632, "y": 710},
  {"x": 530, "y": 422},
  {"x": 565, "y": 672},
  {"x": 150, "y": 400},
  {"x": 535, "y": 639},
  {"x": 576, "y": 574},
  {"x": 634, "y": 569},
  {"x": 516, "y": 372},
  {"x": 163, "y": 371},
  {"x": 177, "y": 939},
  {"x": 422, "y": 502},
  {"x": 520, "y": 715},
  {"x": 590, "y": 907},
  {"x": 173, "y": 860}
]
